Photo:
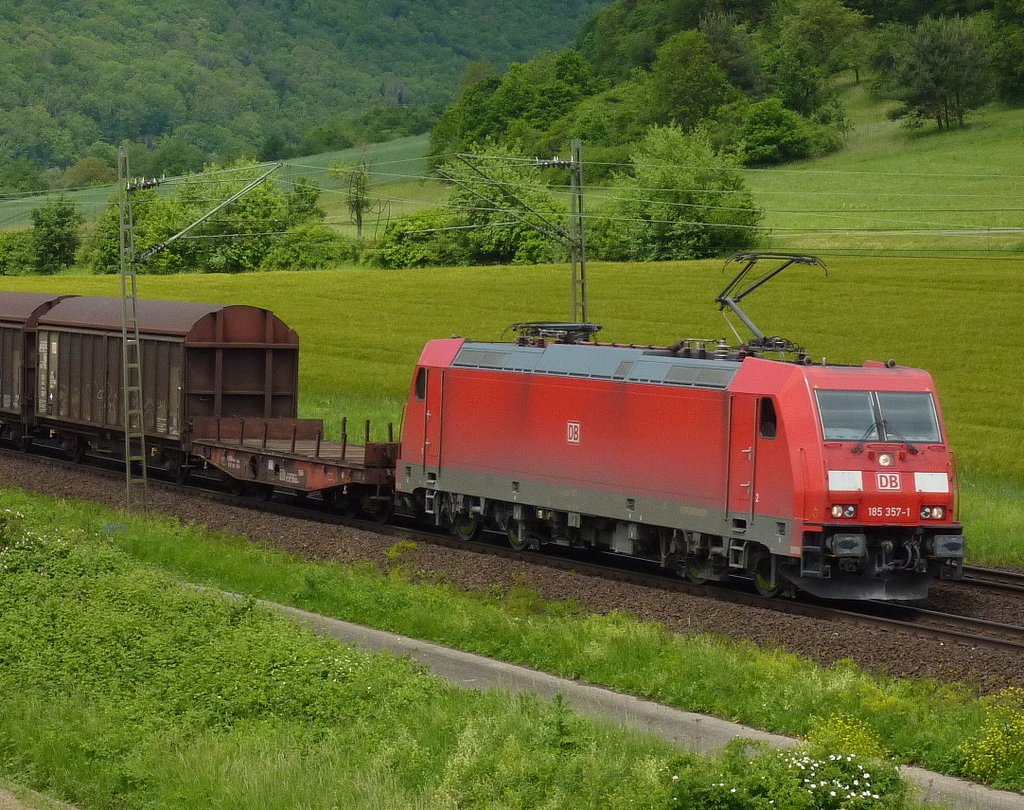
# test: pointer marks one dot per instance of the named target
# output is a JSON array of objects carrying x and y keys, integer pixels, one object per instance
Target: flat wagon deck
[{"x": 291, "y": 454}]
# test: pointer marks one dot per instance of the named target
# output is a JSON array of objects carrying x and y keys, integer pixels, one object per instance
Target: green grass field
[
  {"x": 120, "y": 686},
  {"x": 362, "y": 331},
  {"x": 897, "y": 192}
]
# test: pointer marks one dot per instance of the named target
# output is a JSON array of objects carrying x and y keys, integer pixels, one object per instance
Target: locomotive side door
[
  {"x": 742, "y": 459},
  {"x": 432, "y": 418}
]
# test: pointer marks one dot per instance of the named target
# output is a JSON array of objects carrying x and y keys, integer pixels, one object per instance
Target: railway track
[
  {"x": 929, "y": 624},
  {"x": 993, "y": 579}
]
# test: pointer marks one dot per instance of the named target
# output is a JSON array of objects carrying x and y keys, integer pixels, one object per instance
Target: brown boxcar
[
  {"x": 197, "y": 360},
  {"x": 19, "y": 316}
]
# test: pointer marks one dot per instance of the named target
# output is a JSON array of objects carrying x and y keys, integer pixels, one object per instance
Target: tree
[
  {"x": 944, "y": 71},
  {"x": 498, "y": 212},
  {"x": 55, "y": 235},
  {"x": 21, "y": 175},
  {"x": 829, "y": 29},
  {"x": 734, "y": 50},
  {"x": 237, "y": 239},
  {"x": 682, "y": 201},
  {"x": 357, "y": 196},
  {"x": 17, "y": 257},
  {"x": 303, "y": 202},
  {"x": 686, "y": 82},
  {"x": 517, "y": 107},
  {"x": 1008, "y": 48},
  {"x": 806, "y": 42},
  {"x": 504, "y": 209}
]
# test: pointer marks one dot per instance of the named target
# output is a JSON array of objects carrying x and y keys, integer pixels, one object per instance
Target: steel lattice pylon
[{"x": 131, "y": 351}]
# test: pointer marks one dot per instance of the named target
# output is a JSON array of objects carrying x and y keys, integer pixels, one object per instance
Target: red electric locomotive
[{"x": 711, "y": 460}]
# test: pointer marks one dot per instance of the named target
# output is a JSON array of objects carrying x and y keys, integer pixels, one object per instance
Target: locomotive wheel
[
  {"x": 466, "y": 526},
  {"x": 763, "y": 577},
  {"x": 514, "y": 539},
  {"x": 694, "y": 573}
]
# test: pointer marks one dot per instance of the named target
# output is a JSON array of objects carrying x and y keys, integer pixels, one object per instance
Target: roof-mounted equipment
[
  {"x": 539, "y": 333},
  {"x": 744, "y": 283}
]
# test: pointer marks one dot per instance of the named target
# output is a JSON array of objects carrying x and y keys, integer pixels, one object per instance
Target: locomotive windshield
[{"x": 878, "y": 416}]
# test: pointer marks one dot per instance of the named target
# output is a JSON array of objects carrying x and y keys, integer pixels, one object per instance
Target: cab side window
[
  {"x": 421, "y": 384},
  {"x": 768, "y": 422}
]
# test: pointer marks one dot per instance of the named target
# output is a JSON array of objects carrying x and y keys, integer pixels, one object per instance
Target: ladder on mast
[{"x": 136, "y": 484}]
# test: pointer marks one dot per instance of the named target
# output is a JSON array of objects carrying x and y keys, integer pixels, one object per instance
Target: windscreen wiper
[
  {"x": 890, "y": 430},
  {"x": 873, "y": 427}
]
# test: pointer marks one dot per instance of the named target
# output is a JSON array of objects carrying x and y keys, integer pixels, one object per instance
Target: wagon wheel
[
  {"x": 763, "y": 577},
  {"x": 77, "y": 451},
  {"x": 351, "y": 506},
  {"x": 517, "y": 536},
  {"x": 261, "y": 492},
  {"x": 382, "y": 511},
  {"x": 25, "y": 443}
]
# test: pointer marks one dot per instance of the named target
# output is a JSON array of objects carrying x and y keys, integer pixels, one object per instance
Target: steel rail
[{"x": 993, "y": 579}]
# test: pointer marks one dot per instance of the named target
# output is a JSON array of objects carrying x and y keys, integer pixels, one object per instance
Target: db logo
[
  {"x": 572, "y": 432},
  {"x": 889, "y": 481}
]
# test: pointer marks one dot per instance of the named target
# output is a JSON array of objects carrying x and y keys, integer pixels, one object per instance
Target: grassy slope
[
  {"x": 364, "y": 331},
  {"x": 888, "y": 185},
  {"x": 119, "y": 687},
  {"x": 88, "y": 638}
]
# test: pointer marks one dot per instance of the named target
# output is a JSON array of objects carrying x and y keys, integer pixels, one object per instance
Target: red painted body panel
[{"x": 628, "y": 440}]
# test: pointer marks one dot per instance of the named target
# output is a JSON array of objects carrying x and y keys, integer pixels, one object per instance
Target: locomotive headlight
[
  {"x": 849, "y": 511},
  {"x": 938, "y": 512},
  {"x": 926, "y": 512},
  {"x": 837, "y": 511},
  {"x": 885, "y": 459}
]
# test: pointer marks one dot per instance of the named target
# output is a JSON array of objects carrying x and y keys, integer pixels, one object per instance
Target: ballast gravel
[{"x": 889, "y": 652}]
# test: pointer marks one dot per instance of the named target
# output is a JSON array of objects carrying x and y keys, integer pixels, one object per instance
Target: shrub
[
  {"x": 313, "y": 246},
  {"x": 772, "y": 134},
  {"x": 684, "y": 201},
  {"x": 755, "y": 776},
  {"x": 17, "y": 256},
  {"x": 996, "y": 755},
  {"x": 847, "y": 735},
  {"x": 421, "y": 239}
]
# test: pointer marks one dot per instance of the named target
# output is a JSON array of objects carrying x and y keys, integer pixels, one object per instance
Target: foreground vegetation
[
  {"x": 119, "y": 686},
  {"x": 361, "y": 340}
]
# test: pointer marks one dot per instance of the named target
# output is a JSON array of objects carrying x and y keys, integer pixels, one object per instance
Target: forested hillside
[
  {"x": 195, "y": 80},
  {"x": 756, "y": 77},
  {"x": 673, "y": 97}
]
